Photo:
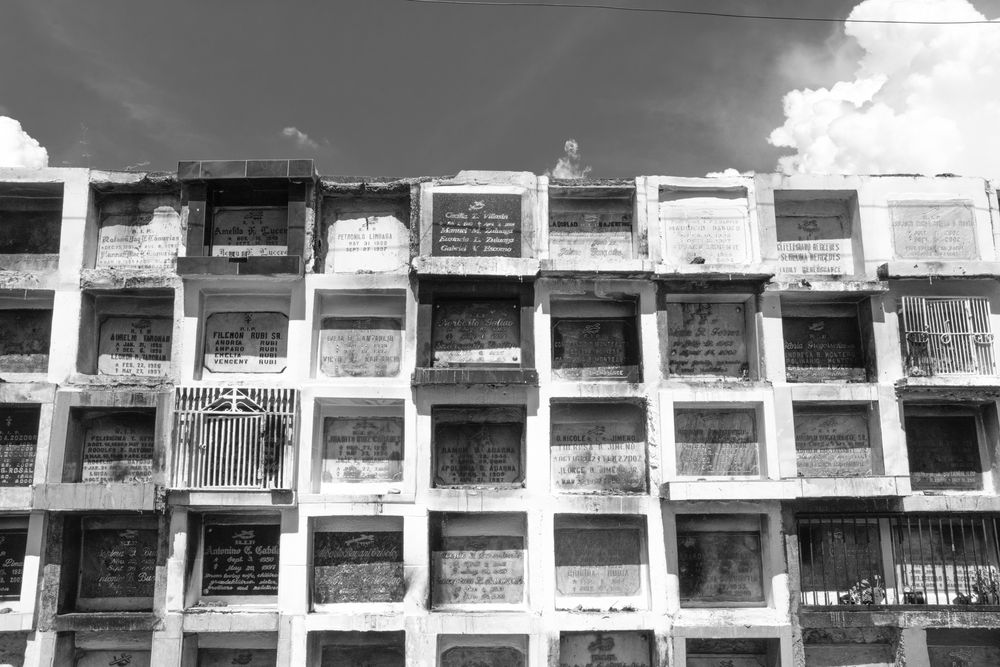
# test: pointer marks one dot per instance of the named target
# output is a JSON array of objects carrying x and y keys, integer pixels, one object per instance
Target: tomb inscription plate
[
  {"x": 832, "y": 443},
  {"x": 377, "y": 242},
  {"x": 604, "y": 454},
  {"x": 595, "y": 348},
  {"x": 935, "y": 230},
  {"x": 613, "y": 649},
  {"x": 114, "y": 658},
  {"x": 249, "y": 231},
  {"x": 363, "y": 449},
  {"x": 944, "y": 453},
  {"x": 707, "y": 339},
  {"x": 13, "y": 544},
  {"x": 479, "y": 570},
  {"x": 241, "y": 560},
  {"x": 964, "y": 656},
  {"x": 720, "y": 566},
  {"x": 476, "y": 225},
  {"x": 832, "y": 344},
  {"x": 478, "y": 453},
  {"x": 362, "y": 656},
  {"x": 248, "y": 342},
  {"x": 716, "y": 442},
  {"x": 245, "y": 657},
  {"x": 118, "y": 563},
  {"x": 814, "y": 238},
  {"x": 482, "y": 656},
  {"x": 358, "y": 567},
  {"x": 716, "y": 235},
  {"x": 360, "y": 346},
  {"x": 727, "y": 660},
  {"x": 467, "y": 333},
  {"x": 596, "y": 237},
  {"x": 139, "y": 240},
  {"x": 135, "y": 346},
  {"x": 598, "y": 561},
  {"x": 118, "y": 449},
  {"x": 18, "y": 443},
  {"x": 24, "y": 340}
]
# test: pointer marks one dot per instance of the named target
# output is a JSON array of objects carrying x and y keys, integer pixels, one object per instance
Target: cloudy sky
[{"x": 392, "y": 87}]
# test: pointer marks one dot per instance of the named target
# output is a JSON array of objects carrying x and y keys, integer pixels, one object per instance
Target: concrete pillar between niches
[
  {"x": 168, "y": 643},
  {"x": 914, "y": 647},
  {"x": 40, "y": 650}
]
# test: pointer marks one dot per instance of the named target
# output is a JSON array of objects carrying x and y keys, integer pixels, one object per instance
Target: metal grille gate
[{"x": 948, "y": 335}]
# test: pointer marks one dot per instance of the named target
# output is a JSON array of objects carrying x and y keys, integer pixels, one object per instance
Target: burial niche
[
  {"x": 138, "y": 231},
  {"x": 598, "y": 228},
  {"x": 719, "y": 560},
  {"x": 705, "y": 227},
  {"x": 240, "y": 560},
  {"x": 30, "y": 223},
  {"x": 18, "y": 443},
  {"x": 826, "y": 342},
  {"x": 482, "y": 650},
  {"x": 480, "y": 332},
  {"x": 595, "y": 340},
  {"x": 943, "y": 448},
  {"x": 832, "y": 441},
  {"x": 117, "y": 563},
  {"x": 365, "y": 235},
  {"x": 362, "y": 445},
  {"x": 477, "y": 558},
  {"x": 706, "y": 338},
  {"x": 814, "y": 232},
  {"x": 248, "y": 219},
  {"x": 24, "y": 339},
  {"x": 246, "y": 342},
  {"x": 361, "y": 649},
  {"x": 357, "y": 559},
  {"x": 716, "y": 442},
  {"x": 110, "y": 446},
  {"x": 600, "y": 557},
  {"x": 933, "y": 230},
  {"x": 478, "y": 446},
  {"x": 612, "y": 649},
  {"x": 476, "y": 224},
  {"x": 731, "y": 652},
  {"x": 598, "y": 448}
]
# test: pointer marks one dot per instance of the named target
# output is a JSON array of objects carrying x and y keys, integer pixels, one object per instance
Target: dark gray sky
[{"x": 389, "y": 87}]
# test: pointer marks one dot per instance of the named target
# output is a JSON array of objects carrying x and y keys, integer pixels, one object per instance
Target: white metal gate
[{"x": 948, "y": 335}]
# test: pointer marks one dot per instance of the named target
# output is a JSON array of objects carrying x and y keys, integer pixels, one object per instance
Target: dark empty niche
[{"x": 30, "y": 224}]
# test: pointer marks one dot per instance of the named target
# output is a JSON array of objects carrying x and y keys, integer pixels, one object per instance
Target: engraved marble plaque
[
  {"x": 718, "y": 235},
  {"x": 139, "y": 239},
  {"x": 244, "y": 657},
  {"x": 476, "y": 225},
  {"x": 598, "y": 561},
  {"x": 360, "y": 346},
  {"x": 612, "y": 649},
  {"x": 13, "y": 544},
  {"x": 246, "y": 342},
  {"x": 372, "y": 243},
  {"x": 362, "y": 656},
  {"x": 478, "y": 453},
  {"x": 118, "y": 563},
  {"x": 135, "y": 346},
  {"x": 595, "y": 349},
  {"x": 24, "y": 340},
  {"x": 823, "y": 348},
  {"x": 601, "y": 237},
  {"x": 720, "y": 566},
  {"x": 479, "y": 569},
  {"x": 726, "y": 660},
  {"x": 935, "y": 230},
  {"x": 832, "y": 443},
  {"x": 118, "y": 449},
  {"x": 944, "y": 453},
  {"x": 707, "y": 339},
  {"x": 360, "y": 566},
  {"x": 119, "y": 658},
  {"x": 598, "y": 448},
  {"x": 716, "y": 442},
  {"x": 18, "y": 442},
  {"x": 470, "y": 333},
  {"x": 363, "y": 449},
  {"x": 249, "y": 231},
  {"x": 240, "y": 560},
  {"x": 482, "y": 656},
  {"x": 814, "y": 237}
]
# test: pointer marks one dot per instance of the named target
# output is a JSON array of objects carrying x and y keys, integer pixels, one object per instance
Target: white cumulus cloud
[
  {"x": 569, "y": 165},
  {"x": 17, "y": 149},
  {"x": 301, "y": 139},
  {"x": 924, "y": 98}
]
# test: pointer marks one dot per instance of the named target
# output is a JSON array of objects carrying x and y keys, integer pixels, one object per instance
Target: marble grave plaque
[
  {"x": 720, "y": 566},
  {"x": 24, "y": 340},
  {"x": 118, "y": 563},
  {"x": 248, "y": 342},
  {"x": 479, "y": 224},
  {"x": 240, "y": 559},
  {"x": 359, "y": 566},
  {"x": 249, "y": 231},
  {"x": 814, "y": 237},
  {"x": 139, "y": 239},
  {"x": 135, "y": 346},
  {"x": 595, "y": 348},
  {"x": 244, "y": 657},
  {"x": 482, "y": 656},
  {"x": 479, "y": 569},
  {"x": 372, "y": 243},
  {"x": 707, "y": 339},
  {"x": 363, "y": 449},
  {"x": 469, "y": 333},
  {"x": 478, "y": 453},
  {"x": 598, "y": 561},
  {"x": 716, "y": 442},
  {"x": 598, "y": 449},
  {"x": 118, "y": 449},
  {"x": 832, "y": 443},
  {"x": 360, "y": 346},
  {"x": 13, "y": 545},
  {"x": 944, "y": 453},
  {"x": 823, "y": 348},
  {"x": 717, "y": 235},
  {"x": 117, "y": 658},
  {"x": 18, "y": 443},
  {"x": 582, "y": 236},
  {"x": 362, "y": 656},
  {"x": 604, "y": 649},
  {"x": 726, "y": 660},
  {"x": 934, "y": 230}
]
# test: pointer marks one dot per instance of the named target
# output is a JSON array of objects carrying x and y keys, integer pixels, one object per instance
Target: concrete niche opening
[
  {"x": 128, "y": 333},
  {"x": 711, "y": 337},
  {"x": 25, "y": 333},
  {"x": 364, "y": 234},
  {"x": 19, "y": 427},
  {"x": 478, "y": 560},
  {"x": 109, "y": 445},
  {"x": 635, "y": 649},
  {"x": 964, "y": 647},
  {"x": 243, "y": 334},
  {"x": 345, "y": 649},
  {"x": 599, "y": 447},
  {"x": 360, "y": 442},
  {"x": 828, "y": 341},
  {"x": 732, "y": 652},
  {"x": 482, "y": 650},
  {"x": 712, "y": 440},
  {"x": 592, "y": 225},
  {"x": 949, "y": 446},
  {"x": 13, "y": 547},
  {"x": 356, "y": 560},
  {"x": 100, "y": 649},
  {"x": 234, "y": 561},
  {"x": 818, "y": 233},
  {"x": 837, "y": 440},
  {"x": 835, "y": 647},
  {"x": 359, "y": 334},
  {"x": 596, "y": 338},
  {"x": 478, "y": 446},
  {"x": 134, "y": 231},
  {"x": 224, "y": 649},
  {"x": 245, "y": 219},
  {"x": 30, "y": 225},
  {"x": 720, "y": 560}
]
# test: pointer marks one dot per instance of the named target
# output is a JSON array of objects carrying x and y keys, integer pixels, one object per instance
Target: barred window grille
[
  {"x": 234, "y": 438},
  {"x": 948, "y": 335},
  {"x": 899, "y": 560}
]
